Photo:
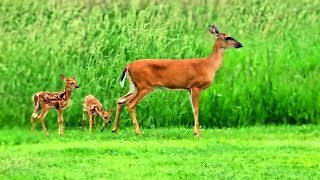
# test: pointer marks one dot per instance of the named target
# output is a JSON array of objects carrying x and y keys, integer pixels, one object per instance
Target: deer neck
[
  {"x": 215, "y": 60},
  {"x": 68, "y": 93},
  {"x": 99, "y": 111}
]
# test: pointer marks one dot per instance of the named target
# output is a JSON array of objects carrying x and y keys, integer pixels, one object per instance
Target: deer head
[
  {"x": 106, "y": 116},
  {"x": 70, "y": 82},
  {"x": 223, "y": 40}
]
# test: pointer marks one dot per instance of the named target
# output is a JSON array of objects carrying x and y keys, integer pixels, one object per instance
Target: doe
[
  {"x": 193, "y": 75},
  {"x": 46, "y": 100}
]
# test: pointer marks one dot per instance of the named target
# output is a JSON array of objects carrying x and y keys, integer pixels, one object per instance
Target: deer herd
[{"x": 193, "y": 75}]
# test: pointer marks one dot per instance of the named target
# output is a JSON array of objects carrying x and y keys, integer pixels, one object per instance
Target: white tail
[{"x": 123, "y": 77}]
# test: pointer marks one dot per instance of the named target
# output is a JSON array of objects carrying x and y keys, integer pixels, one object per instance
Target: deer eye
[{"x": 72, "y": 83}]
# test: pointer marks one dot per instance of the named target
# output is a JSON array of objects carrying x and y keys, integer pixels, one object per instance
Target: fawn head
[
  {"x": 223, "y": 40},
  {"x": 70, "y": 82},
  {"x": 106, "y": 116}
]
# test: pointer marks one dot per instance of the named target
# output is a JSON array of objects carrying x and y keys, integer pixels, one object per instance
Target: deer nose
[
  {"x": 239, "y": 45},
  {"x": 109, "y": 122},
  {"x": 77, "y": 86}
]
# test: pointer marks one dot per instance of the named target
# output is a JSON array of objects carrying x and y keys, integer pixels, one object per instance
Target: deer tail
[{"x": 123, "y": 76}]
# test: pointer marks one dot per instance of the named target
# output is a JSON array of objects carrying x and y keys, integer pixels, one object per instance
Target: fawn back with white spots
[{"x": 93, "y": 107}]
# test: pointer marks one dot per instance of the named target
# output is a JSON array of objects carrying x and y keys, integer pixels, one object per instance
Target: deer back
[{"x": 92, "y": 104}]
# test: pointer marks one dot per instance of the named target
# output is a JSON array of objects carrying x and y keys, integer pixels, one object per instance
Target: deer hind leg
[
  {"x": 33, "y": 117},
  {"x": 195, "y": 94},
  {"x": 45, "y": 110},
  {"x": 60, "y": 121},
  {"x": 120, "y": 103},
  {"x": 132, "y": 104},
  {"x": 83, "y": 120},
  {"x": 32, "y": 124},
  {"x": 36, "y": 108}
]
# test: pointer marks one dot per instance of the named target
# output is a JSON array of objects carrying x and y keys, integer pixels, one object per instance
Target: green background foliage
[{"x": 273, "y": 79}]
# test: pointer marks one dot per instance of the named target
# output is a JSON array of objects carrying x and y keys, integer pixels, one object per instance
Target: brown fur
[
  {"x": 193, "y": 75},
  {"x": 92, "y": 107},
  {"x": 46, "y": 100}
]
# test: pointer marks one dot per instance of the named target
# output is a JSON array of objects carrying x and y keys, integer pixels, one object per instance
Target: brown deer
[
  {"x": 193, "y": 75},
  {"x": 46, "y": 100},
  {"x": 92, "y": 107}
]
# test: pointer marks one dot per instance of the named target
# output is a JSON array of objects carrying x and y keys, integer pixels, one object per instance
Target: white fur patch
[
  {"x": 133, "y": 88},
  {"x": 122, "y": 100},
  {"x": 34, "y": 115}
]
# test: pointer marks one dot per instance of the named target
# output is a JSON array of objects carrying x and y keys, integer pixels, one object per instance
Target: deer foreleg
[
  {"x": 195, "y": 93},
  {"x": 90, "y": 120},
  {"x": 103, "y": 126},
  {"x": 94, "y": 122},
  {"x": 60, "y": 121}
]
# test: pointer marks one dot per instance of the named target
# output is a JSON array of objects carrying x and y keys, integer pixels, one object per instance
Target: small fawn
[
  {"x": 46, "y": 100},
  {"x": 92, "y": 107}
]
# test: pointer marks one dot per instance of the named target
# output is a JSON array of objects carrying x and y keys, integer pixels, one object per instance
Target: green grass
[
  {"x": 272, "y": 80},
  {"x": 265, "y": 152}
]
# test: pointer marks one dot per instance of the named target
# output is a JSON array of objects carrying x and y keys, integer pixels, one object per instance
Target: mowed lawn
[{"x": 266, "y": 152}]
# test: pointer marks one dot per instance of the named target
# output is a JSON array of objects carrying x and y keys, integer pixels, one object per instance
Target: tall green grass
[{"x": 273, "y": 79}]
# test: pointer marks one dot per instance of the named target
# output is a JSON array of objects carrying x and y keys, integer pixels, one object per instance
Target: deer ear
[
  {"x": 63, "y": 77},
  {"x": 110, "y": 110},
  {"x": 74, "y": 78},
  {"x": 214, "y": 30}
]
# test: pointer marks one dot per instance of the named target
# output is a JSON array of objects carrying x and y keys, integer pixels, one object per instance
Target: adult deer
[
  {"x": 46, "y": 100},
  {"x": 193, "y": 75},
  {"x": 92, "y": 107}
]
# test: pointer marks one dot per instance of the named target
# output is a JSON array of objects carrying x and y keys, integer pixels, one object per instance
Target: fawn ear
[
  {"x": 63, "y": 77},
  {"x": 110, "y": 110},
  {"x": 74, "y": 78}
]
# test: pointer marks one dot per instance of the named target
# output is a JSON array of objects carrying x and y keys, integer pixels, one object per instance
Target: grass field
[{"x": 284, "y": 152}]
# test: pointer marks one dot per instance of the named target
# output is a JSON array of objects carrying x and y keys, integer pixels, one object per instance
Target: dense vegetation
[{"x": 273, "y": 79}]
